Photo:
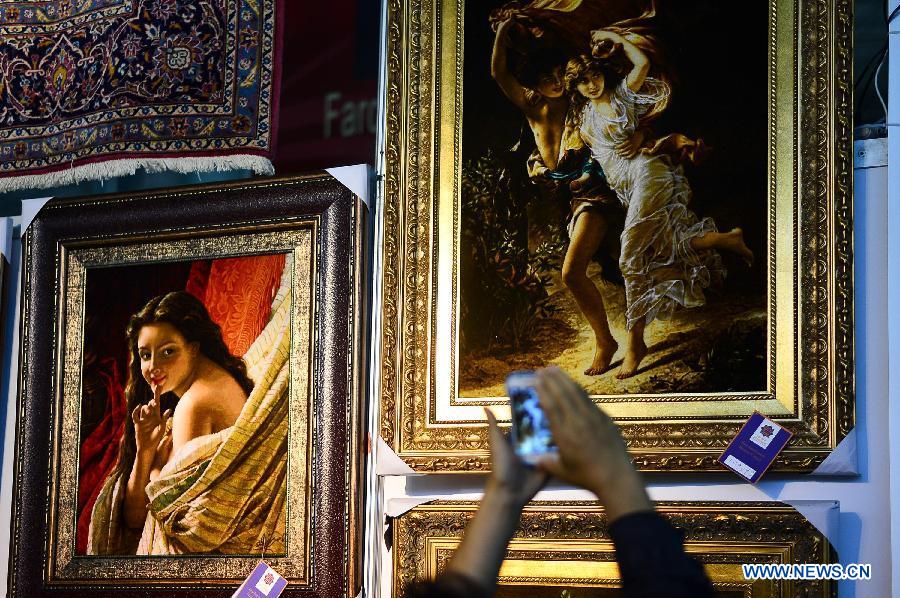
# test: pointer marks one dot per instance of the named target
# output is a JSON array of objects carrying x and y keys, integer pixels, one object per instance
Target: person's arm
[
  {"x": 652, "y": 560},
  {"x": 640, "y": 63},
  {"x": 592, "y": 454},
  {"x": 510, "y": 87},
  {"x": 511, "y": 485},
  {"x": 135, "y": 504},
  {"x": 150, "y": 436}
]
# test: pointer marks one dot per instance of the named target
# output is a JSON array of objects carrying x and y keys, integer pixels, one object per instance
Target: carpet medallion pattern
[{"x": 96, "y": 88}]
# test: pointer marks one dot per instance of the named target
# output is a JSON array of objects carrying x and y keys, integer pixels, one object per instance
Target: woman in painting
[
  {"x": 210, "y": 476},
  {"x": 668, "y": 255},
  {"x": 559, "y": 159}
]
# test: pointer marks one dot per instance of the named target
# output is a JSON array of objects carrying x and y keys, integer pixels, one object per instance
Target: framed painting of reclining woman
[
  {"x": 190, "y": 385},
  {"x": 661, "y": 207},
  {"x": 563, "y": 549}
]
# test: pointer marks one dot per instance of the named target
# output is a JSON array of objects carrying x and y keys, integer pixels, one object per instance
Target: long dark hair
[
  {"x": 189, "y": 316},
  {"x": 611, "y": 66}
]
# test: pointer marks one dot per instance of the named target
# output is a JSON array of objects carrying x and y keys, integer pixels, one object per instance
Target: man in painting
[{"x": 559, "y": 159}]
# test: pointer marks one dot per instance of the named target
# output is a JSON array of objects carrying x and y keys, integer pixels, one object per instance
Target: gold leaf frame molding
[
  {"x": 810, "y": 382},
  {"x": 567, "y": 545}
]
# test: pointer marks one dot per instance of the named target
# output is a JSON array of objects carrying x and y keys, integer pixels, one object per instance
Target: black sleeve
[
  {"x": 652, "y": 560},
  {"x": 447, "y": 585}
]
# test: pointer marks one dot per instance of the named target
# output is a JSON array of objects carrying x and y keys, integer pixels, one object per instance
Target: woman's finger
[
  {"x": 500, "y": 448},
  {"x": 136, "y": 414},
  {"x": 493, "y": 429},
  {"x": 556, "y": 389},
  {"x": 580, "y": 399},
  {"x": 156, "y": 403}
]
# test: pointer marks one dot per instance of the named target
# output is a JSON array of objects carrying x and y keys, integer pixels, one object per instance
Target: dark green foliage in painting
[{"x": 503, "y": 283}]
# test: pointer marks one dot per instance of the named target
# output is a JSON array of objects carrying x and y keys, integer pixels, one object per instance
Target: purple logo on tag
[
  {"x": 755, "y": 447},
  {"x": 263, "y": 582}
]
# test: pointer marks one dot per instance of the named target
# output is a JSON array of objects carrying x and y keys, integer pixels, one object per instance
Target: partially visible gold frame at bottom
[{"x": 567, "y": 544}]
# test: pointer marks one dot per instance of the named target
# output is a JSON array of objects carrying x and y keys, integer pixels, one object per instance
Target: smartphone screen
[{"x": 530, "y": 429}]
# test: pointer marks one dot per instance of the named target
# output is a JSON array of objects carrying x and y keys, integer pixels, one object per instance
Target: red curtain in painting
[
  {"x": 239, "y": 296},
  {"x": 100, "y": 450},
  {"x": 198, "y": 278},
  {"x": 238, "y": 293}
]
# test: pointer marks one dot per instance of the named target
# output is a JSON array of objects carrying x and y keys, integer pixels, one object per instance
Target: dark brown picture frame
[{"x": 202, "y": 217}]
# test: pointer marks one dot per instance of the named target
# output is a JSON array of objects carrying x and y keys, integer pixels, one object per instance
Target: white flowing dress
[{"x": 660, "y": 268}]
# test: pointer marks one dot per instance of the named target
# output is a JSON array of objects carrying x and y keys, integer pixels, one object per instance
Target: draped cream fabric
[
  {"x": 107, "y": 533},
  {"x": 223, "y": 492},
  {"x": 661, "y": 268}
]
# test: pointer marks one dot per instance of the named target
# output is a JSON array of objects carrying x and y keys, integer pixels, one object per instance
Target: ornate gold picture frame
[
  {"x": 565, "y": 546},
  {"x": 777, "y": 339},
  {"x": 278, "y": 267}
]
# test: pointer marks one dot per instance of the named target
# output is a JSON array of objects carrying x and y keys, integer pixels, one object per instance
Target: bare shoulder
[
  {"x": 193, "y": 418},
  {"x": 194, "y": 413},
  {"x": 196, "y": 400},
  {"x": 218, "y": 398},
  {"x": 212, "y": 395},
  {"x": 534, "y": 105}
]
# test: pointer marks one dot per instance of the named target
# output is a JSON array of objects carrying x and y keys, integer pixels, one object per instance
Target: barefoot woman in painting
[
  {"x": 617, "y": 137},
  {"x": 668, "y": 256}
]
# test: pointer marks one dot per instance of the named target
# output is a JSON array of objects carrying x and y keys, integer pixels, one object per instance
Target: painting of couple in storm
[{"x": 613, "y": 204}]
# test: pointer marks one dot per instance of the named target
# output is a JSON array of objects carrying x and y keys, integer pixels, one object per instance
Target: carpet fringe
[{"x": 103, "y": 171}]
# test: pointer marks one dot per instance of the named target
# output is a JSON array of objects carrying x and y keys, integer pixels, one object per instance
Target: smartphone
[{"x": 531, "y": 435}]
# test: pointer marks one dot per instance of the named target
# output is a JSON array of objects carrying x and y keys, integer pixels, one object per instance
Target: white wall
[
  {"x": 893, "y": 272},
  {"x": 893, "y": 281}
]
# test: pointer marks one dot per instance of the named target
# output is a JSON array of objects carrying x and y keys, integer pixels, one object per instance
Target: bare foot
[
  {"x": 733, "y": 241},
  {"x": 634, "y": 354},
  {"x": 602, "y": 358}
]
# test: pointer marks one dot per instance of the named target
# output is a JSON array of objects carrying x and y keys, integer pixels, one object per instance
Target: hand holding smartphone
[{"x": 531, "y": 436}]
